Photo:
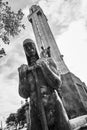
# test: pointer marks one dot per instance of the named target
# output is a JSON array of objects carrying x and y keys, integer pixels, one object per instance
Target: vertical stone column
[
  {"x": 36, "y": 28},
  {"x": 54, "y": 47},
  {"x": 45, "y": 37}
]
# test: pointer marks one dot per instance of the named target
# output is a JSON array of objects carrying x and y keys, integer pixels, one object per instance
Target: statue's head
[{"x": 30, "y": 51}]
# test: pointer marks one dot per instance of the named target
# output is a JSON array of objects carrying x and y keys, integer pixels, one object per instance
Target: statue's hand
[{"x": 41, "y": 61}]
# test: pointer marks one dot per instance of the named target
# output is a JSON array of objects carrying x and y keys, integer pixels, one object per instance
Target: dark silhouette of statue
[{"x": 40, "y": 81}]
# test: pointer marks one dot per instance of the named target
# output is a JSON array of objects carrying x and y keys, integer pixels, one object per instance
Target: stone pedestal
[{"x": 74, "y": 95}]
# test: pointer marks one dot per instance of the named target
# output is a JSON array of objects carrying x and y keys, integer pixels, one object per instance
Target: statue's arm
[
  {"x": 24, "y": 88},
  {"x": 52, "y": 65},
  {"x": 50, "y": 72}
]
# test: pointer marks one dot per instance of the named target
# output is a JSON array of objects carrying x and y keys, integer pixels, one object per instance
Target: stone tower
[
  {"x": 44, "y": 36},
  {"x": 74, "y": 91}
]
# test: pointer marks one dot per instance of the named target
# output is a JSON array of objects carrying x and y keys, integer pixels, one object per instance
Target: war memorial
[{"x": 58, "y": 98}]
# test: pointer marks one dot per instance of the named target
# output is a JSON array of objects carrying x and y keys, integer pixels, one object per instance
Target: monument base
[{"x": 74, "y": 95}]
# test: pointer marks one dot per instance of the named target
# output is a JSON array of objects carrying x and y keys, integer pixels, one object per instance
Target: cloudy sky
[{"x": 68, "y": 22}]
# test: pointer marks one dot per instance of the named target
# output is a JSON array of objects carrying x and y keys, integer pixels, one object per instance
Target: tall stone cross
[{"x": 44, "y": 36}]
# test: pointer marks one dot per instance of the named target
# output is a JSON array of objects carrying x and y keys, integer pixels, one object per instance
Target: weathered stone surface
[
  {"x": 73, "y": 89},
  {"x": 74, "y": 97}
]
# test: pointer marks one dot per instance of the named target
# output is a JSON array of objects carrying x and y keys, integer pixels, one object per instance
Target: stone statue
[{"x": 40, "y": 81}]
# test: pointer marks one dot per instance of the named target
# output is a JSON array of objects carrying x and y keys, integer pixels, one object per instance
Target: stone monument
[
  {"x": 74, "y": 91},
  {"x": 40, "y": 81}
]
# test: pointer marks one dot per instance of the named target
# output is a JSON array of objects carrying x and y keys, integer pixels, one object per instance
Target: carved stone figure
[{"x": 40, "y": 81}]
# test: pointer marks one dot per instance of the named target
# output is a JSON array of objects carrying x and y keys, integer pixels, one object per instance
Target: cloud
[
  {"x": 16, "y": 5},
  {"x": 9, "y": 81},
  {"x": 62, "y": 12},
  {"x": 72, "y": 45}
]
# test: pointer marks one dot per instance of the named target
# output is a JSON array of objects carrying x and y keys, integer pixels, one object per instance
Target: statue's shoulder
[{"x": 22, "y": 69}]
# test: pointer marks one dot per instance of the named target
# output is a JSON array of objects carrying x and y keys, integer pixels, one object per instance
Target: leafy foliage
[
  {"x": 2, "y": 52},
  {"x": 11, "y": 119},
  {"x": 17, "y": 118},
  {"x": 10, "y": 22},
  {"x": 21, "y": 114}
]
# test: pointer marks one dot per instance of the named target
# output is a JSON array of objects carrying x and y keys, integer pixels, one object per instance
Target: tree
[
  {"x": 11, "y": 120},
  {"x": 10, "y": 22},
  {"x": 21, "y": 117},
  {"x": 18, "y": 118}
]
